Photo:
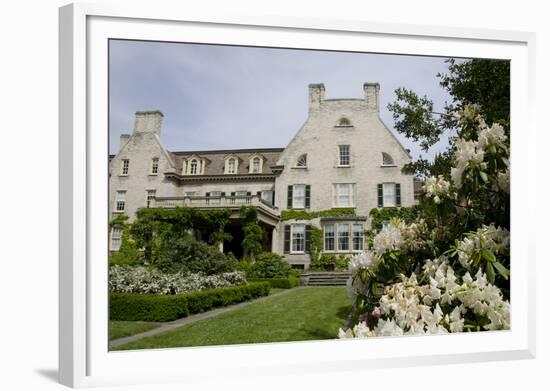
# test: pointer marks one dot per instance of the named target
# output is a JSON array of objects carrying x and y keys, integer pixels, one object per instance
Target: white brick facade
[{"x": 331, "y": 123}]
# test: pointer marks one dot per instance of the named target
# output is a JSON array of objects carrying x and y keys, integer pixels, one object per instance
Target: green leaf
[
  {"x": 484, "y": 176},
  {"x": 488, "y": 255},
  {"x": 502, "y": 270},
  {"x": 490, "y": 272}
]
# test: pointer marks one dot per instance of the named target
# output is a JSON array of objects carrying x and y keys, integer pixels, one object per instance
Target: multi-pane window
[
  {"x": 256, "y": 165},
  {"x": 302, "y": 161},
  {"x": 344, "y": 195},
  {"x": 343, "y": 237},
  {"x": 116, "y": 238},
  {"x": 125, "y": 166},
  {"x": 120, "y": 201},
  {"x": 387, "y": 160},
  {"x": 343, "y": 155},
  {"x": 329, "y": 237},
  {"x": 388, "y": 192},
  {"x": 231, "y": 166},
  {"x": 299, "y": 196},
  {"x": 193, "y": 168},
  {"x": 190, "y": 193},
  {"x": 151, "y": 195},
  {"x": 357, "y": 237},
  {"x": 298, "y": 238},
  {"x": 155, "y": 166}
]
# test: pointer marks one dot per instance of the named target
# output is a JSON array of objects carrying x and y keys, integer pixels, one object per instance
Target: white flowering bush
[
  {"x": 416, "y": 277},
  {"x": 446, "y": 304},
  {"x": 143, "y": 280}
]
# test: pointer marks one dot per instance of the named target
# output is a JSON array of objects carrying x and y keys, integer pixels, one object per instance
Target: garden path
[{"x": 166, "y": 326}]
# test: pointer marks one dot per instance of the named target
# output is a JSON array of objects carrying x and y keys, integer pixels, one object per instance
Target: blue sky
[{"x": 225, "y": 97}]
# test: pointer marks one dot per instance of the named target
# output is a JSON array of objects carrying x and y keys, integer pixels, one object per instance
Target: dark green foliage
[
  {"x": 164, "y": 308},
  {"x": 304, "y": 215},
  {"x": 328, "y": 261},
  {"x": 482, "y": 83},
  {"x": 154, "y": 227},
  {"x": 254, "y": 234},
  {"x": 283, "y": 283},
  {"x": 128, "y": 253},
  {"x": 194, "y": 256},
  {"x": 270, "y": 265}
]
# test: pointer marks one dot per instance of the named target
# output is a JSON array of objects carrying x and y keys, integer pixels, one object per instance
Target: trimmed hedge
[
  {"x": 284, "y": 283},
  {"x": 164, "y": 308}
]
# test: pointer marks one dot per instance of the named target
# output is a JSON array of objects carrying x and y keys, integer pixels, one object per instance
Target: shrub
[
  {"x": 270, "y": 265},
  {"x": 194, "y": 256},
  {"x": 284, "y": 283},
  {"x": 164, "y": 308},
  {"x": 329, "y": 261},
  {"x": 142, "y": 280}
]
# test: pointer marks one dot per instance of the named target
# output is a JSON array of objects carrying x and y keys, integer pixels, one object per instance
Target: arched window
[
  {"x": 387, "y": 160},
  {"x": 344, "y": 122},
  {"x": 193, "y": 167},
  {"x": 231, "y": 166},
  {"x": 302, "y": 161},
  {"x": 256, "y": 165}
]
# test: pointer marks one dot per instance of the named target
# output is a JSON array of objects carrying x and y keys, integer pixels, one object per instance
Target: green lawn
[
  {"x": 299, "y": 315},
  {"x": 119, "y": 329}
]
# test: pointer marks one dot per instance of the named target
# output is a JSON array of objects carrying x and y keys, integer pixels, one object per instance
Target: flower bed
[
  {"x": 127, "y": 279},
  {"x": 164, "y": 308}
]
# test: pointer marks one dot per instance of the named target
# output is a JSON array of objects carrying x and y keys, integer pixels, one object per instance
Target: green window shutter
[
  {"x": 398, "y": 194},
  {"x": 308, "y": 238},
  {"x": 308, "y": 196},
  {"x": 248, "y": 193},
  {"x": 232, "y": 194},
  {"x": 259, "y": 194},
  {"x": 289, "y": 198},
  {"x": 223, "y": 194},
  {"x": 287, "y": 239},
  {"x": 208, "y": 194},
  {"x": 380, "y": 196}
]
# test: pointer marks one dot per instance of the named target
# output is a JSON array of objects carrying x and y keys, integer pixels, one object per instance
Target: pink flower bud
[{"x": 376, "y": 313}]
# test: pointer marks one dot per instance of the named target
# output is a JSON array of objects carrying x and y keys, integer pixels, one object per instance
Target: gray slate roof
[{"x": 216, "y": 159}]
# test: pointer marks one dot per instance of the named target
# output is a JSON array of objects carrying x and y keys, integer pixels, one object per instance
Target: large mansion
[{"x": 343, "y": 157}]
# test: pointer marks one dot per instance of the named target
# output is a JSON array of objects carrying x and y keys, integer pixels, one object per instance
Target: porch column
[{"x": 274, "y": 237}]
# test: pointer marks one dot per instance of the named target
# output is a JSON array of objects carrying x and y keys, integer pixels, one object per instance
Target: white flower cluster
[
  {"x": 389, "y": 238},
  {"x": 442, "y": 306},
  {"x": 496, "y": 240},
  {"x": 142, "y": 280},
  {"x": 361, "y": 261},
  {"x": 503, "y": 180},
  {"x": 474, "y": 151},
  {"x": 436, "y": 187}
]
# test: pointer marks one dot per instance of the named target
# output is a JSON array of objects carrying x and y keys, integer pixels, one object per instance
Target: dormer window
[
  {"x": 302, "y": 161},
  {"x": 387, "y": 160},
  {"x": 193, "y": 167},
  {"x": 231, "y": 165},
  {"x": 344, "y": 122},
  {"x": 256, "y": 165}
]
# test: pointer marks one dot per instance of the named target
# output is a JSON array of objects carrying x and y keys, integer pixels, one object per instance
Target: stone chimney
[
  {"x": 148, "y": 122},
  {"x": 316, "y": 96},
  {"x": 123, "y": 140},
  {"x": 371, "y": 95}
]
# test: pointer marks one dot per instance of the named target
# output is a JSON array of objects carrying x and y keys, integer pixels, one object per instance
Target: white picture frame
[{"x": 84, "y": 357}]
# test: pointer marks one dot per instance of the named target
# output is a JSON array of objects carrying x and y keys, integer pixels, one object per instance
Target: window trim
[
  {"x": 301, "y": 167},
  {"x": 125, "y": 167},
  {"x": 333, "y": 225},
  {"x": 340, "y": 155},
  {"x": 118, "y": 228},
  {"x": 117, "y": 200},
  {"x": 292, "y": 227},
  {"x": 392, "y": 164},
  {"x": 394, "y": 195},
  {"x": 336, "y": 195},
  {"x": 294, "y": 196},
  {"x": 148, "y": 193},
  {"x": 336, "y": 238},
  {"x": 154, "y": 166}
]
